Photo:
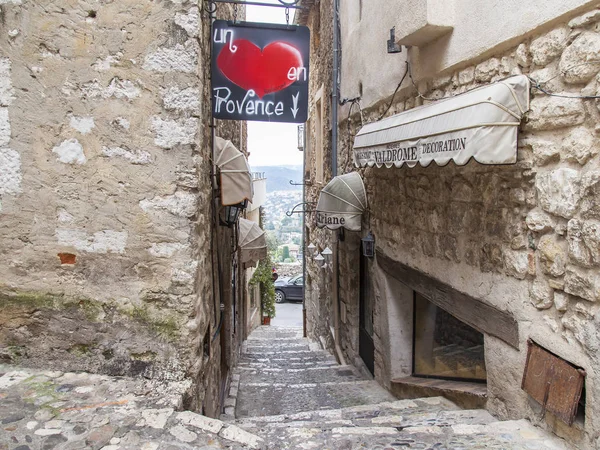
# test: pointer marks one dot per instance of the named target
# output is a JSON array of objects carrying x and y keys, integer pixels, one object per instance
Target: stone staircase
[{"x": 293, "y": 395}]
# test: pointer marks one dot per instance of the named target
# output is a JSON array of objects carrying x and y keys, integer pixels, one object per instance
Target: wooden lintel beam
[{"x": 481, "y": 316}]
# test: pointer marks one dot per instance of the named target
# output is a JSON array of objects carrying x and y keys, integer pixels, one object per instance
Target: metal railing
[{"x": 258, "y": 176}]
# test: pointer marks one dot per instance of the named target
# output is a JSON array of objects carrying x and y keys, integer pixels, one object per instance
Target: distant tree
[
  {"x": 296, "y": 240},
  {"x": 272, "y": 242},
  {"x": 286, "y": 252},
  {"x": 286, "y": 221},
  {"x": 288, "y": 260}
]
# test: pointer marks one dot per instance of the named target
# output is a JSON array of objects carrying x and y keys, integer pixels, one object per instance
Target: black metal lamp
[
  {"x": 368, "y": 245},
  {"x": 232, "y": 213}
]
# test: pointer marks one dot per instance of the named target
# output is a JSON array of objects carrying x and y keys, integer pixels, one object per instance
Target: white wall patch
[
  {"x": 82, "y": 124},
  {"x": 63, "y": 216},
  {"x": 181, "y": 58},
  {"x": 122, "y": 122},
  {"x": 170, "y": 132},
  {"x": 10, "y": 171},
  {"x": 190, "y": 22},
  {"x": 4, "y": 127},
  {"x": 105, "y": 241},
  {"x": 165, "y": 249},
  {"x": 103, "y": 65},
  {"x": 70, "y": 152},
  {"x": 138, "y": 157},
  {"x": 6, "y": 89},
  {"x": 117, "y": 88},
  {"x": 181, "y": 203},
  {"x": 182, "y": 99}
]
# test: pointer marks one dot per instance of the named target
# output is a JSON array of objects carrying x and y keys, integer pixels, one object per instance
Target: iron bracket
[
  {"x": 293, "y": 211},
  {"x": 292, "y": 4}
]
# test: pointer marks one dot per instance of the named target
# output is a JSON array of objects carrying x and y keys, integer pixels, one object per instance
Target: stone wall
[
  {"x": 318, "y": 282},
  {"x": 522, "y": 238},
  {"x": 105, "y": 190}
]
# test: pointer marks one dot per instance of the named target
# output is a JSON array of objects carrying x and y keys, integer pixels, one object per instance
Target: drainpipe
[
  {"x": 304, "y": 234},
  {"x": 334, "y": 164},
  {"x": 335, "y": 93}
]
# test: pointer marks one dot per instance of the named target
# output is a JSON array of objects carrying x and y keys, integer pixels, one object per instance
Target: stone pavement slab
[{"x": 54, "y": 410}]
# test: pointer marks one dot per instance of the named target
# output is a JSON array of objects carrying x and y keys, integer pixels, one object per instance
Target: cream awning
[
  {"x": 252, "y": 242},
  {"x": 480, "y": 124},
  {"x": 342, "y": 202},
  {"x": 236, "y": 179}
]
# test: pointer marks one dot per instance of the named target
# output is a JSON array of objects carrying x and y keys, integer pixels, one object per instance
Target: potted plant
[{"x": 264, "y": 279}]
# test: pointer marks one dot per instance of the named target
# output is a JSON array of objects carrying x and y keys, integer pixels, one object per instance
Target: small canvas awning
[
  {"x": 342, "y": 202},
  {"x": 252, "y": 242},
  {"x": 236, "y": 179},
  {"x": 480, "y": 124}
]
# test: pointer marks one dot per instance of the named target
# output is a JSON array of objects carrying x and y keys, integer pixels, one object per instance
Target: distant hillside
[{"x": 278, "y": 177}]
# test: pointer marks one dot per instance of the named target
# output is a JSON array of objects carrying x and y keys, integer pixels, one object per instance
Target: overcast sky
[{"x": 272, "y": 144}]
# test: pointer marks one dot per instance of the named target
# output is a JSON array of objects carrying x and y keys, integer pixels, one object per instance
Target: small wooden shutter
[{"x": 553, "y": 382}]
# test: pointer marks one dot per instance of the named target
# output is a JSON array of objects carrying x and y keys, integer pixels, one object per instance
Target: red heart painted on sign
[{"x": 264, "y": 71}]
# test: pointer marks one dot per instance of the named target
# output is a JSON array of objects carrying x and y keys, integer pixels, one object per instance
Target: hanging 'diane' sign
[{"x": 260, "y": 72}]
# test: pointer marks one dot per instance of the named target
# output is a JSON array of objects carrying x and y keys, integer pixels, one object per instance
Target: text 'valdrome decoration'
[{"x": 260, "y": 72}]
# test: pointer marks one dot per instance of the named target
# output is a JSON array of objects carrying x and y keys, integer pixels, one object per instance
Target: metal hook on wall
[
  {"x": 210, "y": 6},
  {"x": 293, "y": 211},
  {"x": 300, "y": 184}
]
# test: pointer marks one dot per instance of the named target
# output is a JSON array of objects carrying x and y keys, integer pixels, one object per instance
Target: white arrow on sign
[{"x": 295, "y": 100}]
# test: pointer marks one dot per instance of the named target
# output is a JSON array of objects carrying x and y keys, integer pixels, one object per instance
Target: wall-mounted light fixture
[
  {"x": 232, "y": 213},
  {"x": 301, "y": 137},
  {"x": 320, "y": 260},
  {"x": 312, "y": 249},
  {"x": 327, "y": 253},
  {"x": 368, "y": 245}
]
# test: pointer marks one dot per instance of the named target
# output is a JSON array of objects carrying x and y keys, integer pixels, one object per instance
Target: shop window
[{"x": 444, "y": 346}]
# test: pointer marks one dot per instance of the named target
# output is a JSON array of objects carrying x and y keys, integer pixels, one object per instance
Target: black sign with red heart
[{"x": 260, "y": 72}]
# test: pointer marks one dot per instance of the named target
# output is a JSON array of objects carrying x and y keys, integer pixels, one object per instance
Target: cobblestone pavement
[
  {"x": 295, "y": 396},
  {"x": 54, "y": 410},
  {"x": 286, "y": 393}
]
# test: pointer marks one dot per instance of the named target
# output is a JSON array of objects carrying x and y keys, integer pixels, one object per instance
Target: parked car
[{"x": 289, "y": 289}]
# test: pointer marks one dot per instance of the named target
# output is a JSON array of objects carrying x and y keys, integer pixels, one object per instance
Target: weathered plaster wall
[
  {"x": 105, "y": 216},
  {"x": 524, "y": 237}
]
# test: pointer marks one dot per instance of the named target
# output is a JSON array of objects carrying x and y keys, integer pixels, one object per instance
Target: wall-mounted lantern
[
  {"x": 301, "y": 137},
  {"x": 327, "y": 254},
  {"x": 312, "y": 249},
  {"x": 320, "y": 260},
  {"x": 368, "y": 245},
  {"x": 232, "y": 213}
]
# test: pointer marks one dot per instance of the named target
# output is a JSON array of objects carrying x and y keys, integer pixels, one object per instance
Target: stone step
[
  {"x": 267, "y": 347},
  {"x": 308, "y": 375},
  {"x": 265, "y": 399},
  {"x": 393, "y": 413},
  {"x": 293, "y": 355},
  {"x": 279, "y": 341},
  {"x": 284, "y": 363},
  {"x": 510, "y": 435}
]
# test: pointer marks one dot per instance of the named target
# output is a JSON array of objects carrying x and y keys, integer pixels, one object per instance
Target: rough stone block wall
[
  {"x": 105, "y": 195},
  {"x": 319, "y": 290},
  {"x": 524, "y": 237}
]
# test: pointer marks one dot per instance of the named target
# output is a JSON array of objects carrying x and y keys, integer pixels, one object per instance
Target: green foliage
[
  {"x": 263, "y": 277},
  {"x": 286, "y": 252}
]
